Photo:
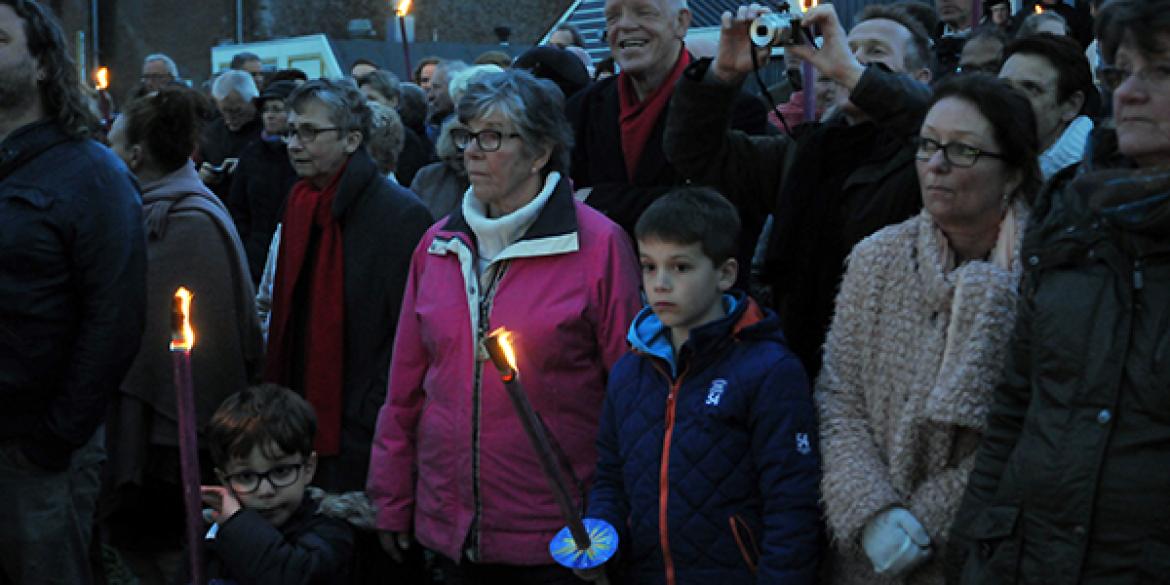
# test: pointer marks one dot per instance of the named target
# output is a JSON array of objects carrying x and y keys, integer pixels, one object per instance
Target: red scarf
[
  {"x": 639, "y": 118},
  {"x": 325, "y": 327}
]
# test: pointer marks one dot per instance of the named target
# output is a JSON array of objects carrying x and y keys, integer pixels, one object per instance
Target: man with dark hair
[
  {"x": 833, "y": 184},
  {"x": 618, "y": 163},
  {"x": 343, "y": 250},
  {"x": 951, "y": 33},
  {"x": 362, "y": 68},
  {"x": 72, "y": 298},
  {"x": 424, "y": 71},
  {"x": 249, "y": 62},
  {"x": 983, "y": 52},
  {"x": 1053, "y": 73}
]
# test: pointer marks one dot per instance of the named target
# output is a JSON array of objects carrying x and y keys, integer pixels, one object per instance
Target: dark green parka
[{"x": 1072, "y": 482}]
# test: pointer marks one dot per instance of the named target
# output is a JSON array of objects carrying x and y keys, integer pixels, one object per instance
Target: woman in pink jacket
[{"x": 451, "y": 465}]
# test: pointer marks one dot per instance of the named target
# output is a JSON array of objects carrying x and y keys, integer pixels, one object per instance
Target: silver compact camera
[{"x": 775, "y": 29}]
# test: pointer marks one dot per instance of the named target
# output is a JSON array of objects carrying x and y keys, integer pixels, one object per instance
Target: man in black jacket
[
  {"x": 618, "y": 165},
  {"x": 72, "y": 297},
  {"x": 834, "y": 184}
]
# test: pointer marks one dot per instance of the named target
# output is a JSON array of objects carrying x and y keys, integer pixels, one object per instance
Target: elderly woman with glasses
[
  {"x": 919, "y": 337},
  {"x": 451, "y": 465},
  {"x": 1072, "y": 484}
]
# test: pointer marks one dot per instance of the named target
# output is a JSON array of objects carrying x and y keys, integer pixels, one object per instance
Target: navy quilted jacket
[{"x": 735, "y": 499}]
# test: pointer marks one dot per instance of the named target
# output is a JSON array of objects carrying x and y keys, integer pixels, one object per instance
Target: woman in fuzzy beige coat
[{"x": 919, "y": 337}]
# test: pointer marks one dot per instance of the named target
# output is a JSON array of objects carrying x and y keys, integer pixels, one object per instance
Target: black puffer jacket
[{"x": 1072, "y": 482}]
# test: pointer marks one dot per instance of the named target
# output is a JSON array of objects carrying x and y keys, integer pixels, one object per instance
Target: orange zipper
[{"x": 664, "y": 477}]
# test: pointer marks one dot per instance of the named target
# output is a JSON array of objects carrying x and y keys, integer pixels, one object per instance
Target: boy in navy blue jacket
[{"x": 708, "y": 462}]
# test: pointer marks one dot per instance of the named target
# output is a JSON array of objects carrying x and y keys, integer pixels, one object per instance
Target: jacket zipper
[
  {"x": 664, "y": 475},
  {"x": 485, "y": 309}
]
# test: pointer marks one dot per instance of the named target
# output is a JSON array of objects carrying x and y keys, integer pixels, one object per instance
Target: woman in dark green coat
[{"x": 1072, "y": 482}]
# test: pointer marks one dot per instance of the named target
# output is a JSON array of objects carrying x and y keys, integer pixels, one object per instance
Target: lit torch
[
  {"x": 1038, "y": 8},
  {"x": 807, "y": 71},
  {"x": 182, "y": 342},
  {"x": 583, "y": 543},
  {"x": 403, "y": 10}
]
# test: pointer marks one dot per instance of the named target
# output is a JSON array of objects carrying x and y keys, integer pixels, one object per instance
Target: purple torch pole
[
  {"x": 402, "y": 10},
  {"x": 182, "y": 341},
  {"x": 809, "y": 74},
  {"x": 589, "y": 545}
]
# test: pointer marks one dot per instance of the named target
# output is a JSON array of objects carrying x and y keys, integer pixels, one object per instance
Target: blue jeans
[{"x": 47, "y": 517}]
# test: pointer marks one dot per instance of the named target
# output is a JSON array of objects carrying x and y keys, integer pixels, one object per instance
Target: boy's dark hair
[
  {"x": 693, "y": 214},
  {"x": 261, "y": 416}
]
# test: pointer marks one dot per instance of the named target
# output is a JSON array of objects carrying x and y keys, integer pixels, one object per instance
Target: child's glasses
[{"x": 283, "y": 475}]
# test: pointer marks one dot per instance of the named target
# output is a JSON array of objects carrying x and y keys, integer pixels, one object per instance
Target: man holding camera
[
  {"x": 618, "y": 164},
  {"x": 833, "y": 184}
]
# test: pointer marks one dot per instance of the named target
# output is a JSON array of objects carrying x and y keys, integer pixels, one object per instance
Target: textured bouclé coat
[{"x": 911, "y": 361}]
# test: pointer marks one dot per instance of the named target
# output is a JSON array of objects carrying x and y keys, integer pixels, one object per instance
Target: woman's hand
[
  {"x": 395, "y": 544},
  {"x": 734, "y": 59},
  {"x": 895, "y": 542},
  {"x": 223, "y": 502}
]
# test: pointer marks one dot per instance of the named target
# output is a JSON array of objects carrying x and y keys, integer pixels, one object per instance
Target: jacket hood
[
  {"x": 745, "y": 319},
  {"x": 160, "y": 195}
]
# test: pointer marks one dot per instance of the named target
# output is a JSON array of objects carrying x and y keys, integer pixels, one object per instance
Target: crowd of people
[{"x": 913, "y": 335}]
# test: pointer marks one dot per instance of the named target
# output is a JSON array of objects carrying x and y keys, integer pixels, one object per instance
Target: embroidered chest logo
[
  {"x": 803, "y": 446},
  {"x": 715, "y": 392}
]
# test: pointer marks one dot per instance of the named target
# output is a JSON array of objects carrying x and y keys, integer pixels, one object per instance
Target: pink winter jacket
[{"x": 450, "y": 461}]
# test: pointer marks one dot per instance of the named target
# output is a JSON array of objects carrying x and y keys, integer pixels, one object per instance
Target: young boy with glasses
[{"x": 266, "y": 530}]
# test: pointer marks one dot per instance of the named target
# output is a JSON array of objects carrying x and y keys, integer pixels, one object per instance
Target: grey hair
[
  {"x": 457, "y": 84},
  {"x": 386, "y": 136},
  {"x": 240, "y": 82},
  {"x": 444, "y": 146},
  {"x": 170, "y": 63},
  {"x": 347, "y": 106},
  {"x": 450, "y": 67},
  {"x": 383, "y": 82},
  {"x": 1033, "y": 22},
  {"x": 534, "y": 107}
]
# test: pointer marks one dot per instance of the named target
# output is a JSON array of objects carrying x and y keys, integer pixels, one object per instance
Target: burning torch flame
[
  {"x": 806, "y": 5},
  {"x": 505, "y": 338},
  {"x": 102, "y": 77},
  {"x": 403, "y": 7},
  {"x": 1039, "y": 9},
  {"x": 182, "y": 335}
]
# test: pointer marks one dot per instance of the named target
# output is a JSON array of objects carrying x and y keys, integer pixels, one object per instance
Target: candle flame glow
[
  {"x": 183, "y": 335},
  {"x": 403, "y": 7},
  {"x": 1039, "y": 9},
  {"x": 101, "y": 78},
  {"x": 505, "y": 338},
  {"x": 806, "y": 5}
]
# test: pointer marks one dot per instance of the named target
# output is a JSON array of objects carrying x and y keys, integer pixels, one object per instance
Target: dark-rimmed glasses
[
  {"x": 955, "y": 153},
  {"x": 486, "y": 140},
  {"x": 248, "y": 481},
  {"x": 304, "y": 133},
  {"x": 1112, "y": 77}
]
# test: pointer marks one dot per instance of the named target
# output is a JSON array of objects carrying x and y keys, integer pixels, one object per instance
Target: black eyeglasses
[
  {"x": 955, "y": 153},
  {"x": 304, "y": 133},
  {"x": 282, "y": 475},
  {"x": 486, "y": 140},
  {"x": 1112, "y": 77}
]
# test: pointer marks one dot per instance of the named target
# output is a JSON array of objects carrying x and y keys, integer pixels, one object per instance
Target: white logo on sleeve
[
  {"x": 803, "y": 446},
  {"x": 715, "y": 393}
]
